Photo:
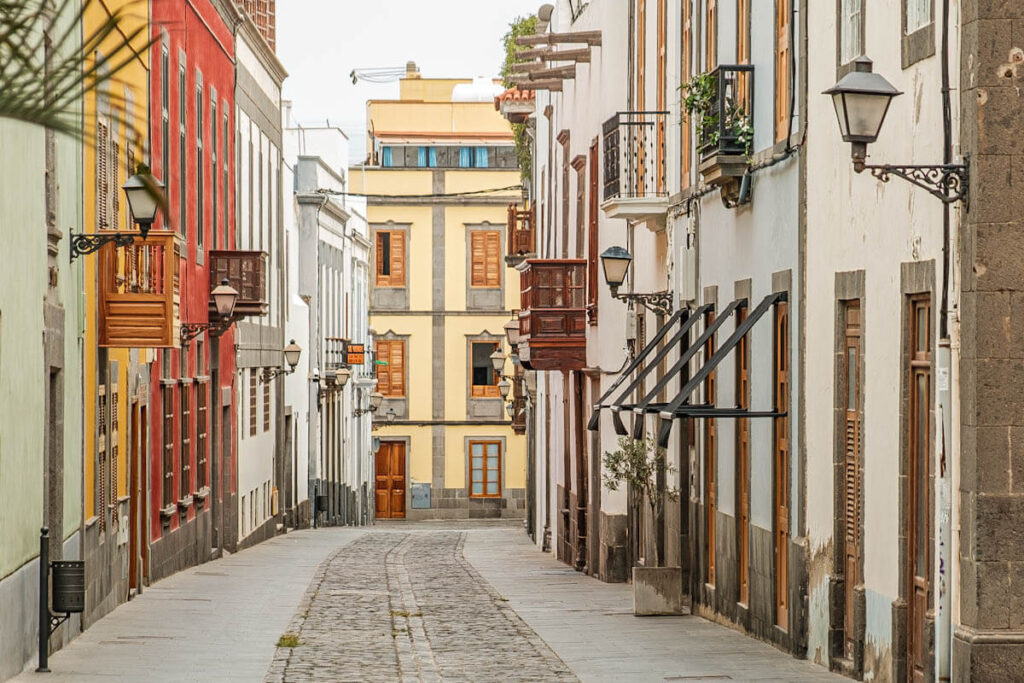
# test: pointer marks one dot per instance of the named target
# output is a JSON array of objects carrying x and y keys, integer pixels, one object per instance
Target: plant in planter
[{"x": 723, "y": 125}]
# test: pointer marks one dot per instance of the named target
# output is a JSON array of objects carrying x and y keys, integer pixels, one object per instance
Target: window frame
[
  {"x": 844, "y": 66},
  {"x": 387, "y": 389},
  {"x": 784, "y": 82},
  {"x": 200, "y": 175},
  {"x": 919, "y": 43},
  {"x": 484, "y": 470},
  {"x": 390, "y": 279},
  {"x": 182, "y": 150},
  {"x": 492, "y": 266},
  {"x": 478, "y": 391}
]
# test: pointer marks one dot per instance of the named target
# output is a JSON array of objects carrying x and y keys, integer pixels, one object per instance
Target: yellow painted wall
[
  {"x": 391, "y": 182},
  {"x": 466, "y": 118},
  {"x": 418, "y": 357},
  {"x": 428, "y": 89},
  {"x": 131, "y": 127}
]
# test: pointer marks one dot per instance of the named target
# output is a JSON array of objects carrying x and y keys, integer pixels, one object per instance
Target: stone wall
[
  {"x": 989, "y": 640},
  {"x": 186, "y": 546}
]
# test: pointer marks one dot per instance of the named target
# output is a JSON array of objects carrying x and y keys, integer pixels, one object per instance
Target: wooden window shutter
[
  {"x": 102, "y": 176},
  {"x": 384, "y": 371},
  {"x": 397, "y": 363},
  {"x": 476, "y": 259},
  {"x": 382, "y": 279},
  {"x": 783, "y": 54},
  {"x": 493, "y": 259},
  {"x": 115, "y": 184},
  {"x": 397, "y": 259}
]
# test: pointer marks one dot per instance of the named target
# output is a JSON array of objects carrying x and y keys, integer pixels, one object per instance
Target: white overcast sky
[{"x": 321, "y": 41}]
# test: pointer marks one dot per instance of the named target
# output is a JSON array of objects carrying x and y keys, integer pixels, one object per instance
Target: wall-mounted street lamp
[
  {"x": 341, "y": 377},
  {"x": 224, "y": 298},
  {"x": 376, "y": 398},
  {"x": 142, "y": 191},
  {"x": 291, "y": 357},
  {"x": 512, "y": 332},
  {"x": 615, "y": 262},
  {"x": 861, "y": 99}
]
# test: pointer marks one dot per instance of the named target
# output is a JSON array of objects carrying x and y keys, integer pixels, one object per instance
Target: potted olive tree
[{"x": 657, "y": 590}]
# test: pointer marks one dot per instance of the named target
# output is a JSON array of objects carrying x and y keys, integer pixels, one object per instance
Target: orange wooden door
[
  {"x": 390, "y": 480},
  {"x": 918, "y": 509},
  {"x": 743, "y": 456}
]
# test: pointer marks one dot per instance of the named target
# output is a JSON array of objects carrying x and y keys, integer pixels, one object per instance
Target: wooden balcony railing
[
  {"x": 246, "y": 271},
  {"x": 138, "y": 293},
  {"x": 521, "y": 236},
  {"x": 553, "y": 317}
]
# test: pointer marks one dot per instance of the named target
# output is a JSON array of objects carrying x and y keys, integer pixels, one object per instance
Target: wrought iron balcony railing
[
  {"x": 634, "y": 155},
  {"x": 725, "y": 114}
]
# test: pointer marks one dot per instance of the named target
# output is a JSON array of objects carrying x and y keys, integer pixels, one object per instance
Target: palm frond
[{"x": 48, "y": 66}]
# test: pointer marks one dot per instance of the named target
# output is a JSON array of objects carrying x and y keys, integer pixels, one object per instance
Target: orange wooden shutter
[
  {"x": 397, "y": 259},
  {"x": 384, "y": 371},
  {"x": 492, "y": 259},
  {"x": 397, "y": 362},
  {"x": 382, "y": 279},
  {"x": 476, "y": 259},
  {"x": 782, "y": 57}
]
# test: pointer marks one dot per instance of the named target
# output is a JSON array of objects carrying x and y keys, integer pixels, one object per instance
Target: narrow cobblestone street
[{"x": 405, "y": 602}]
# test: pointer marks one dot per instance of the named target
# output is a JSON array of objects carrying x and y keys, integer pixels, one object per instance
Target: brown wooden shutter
[
  {"x": 476, "y": 259},
  {"x": 102, "y": 176},
  {"x": 382, "y": 279},
  {"x": 397, "y": 362},
  {"x": 492, "y": 259}
]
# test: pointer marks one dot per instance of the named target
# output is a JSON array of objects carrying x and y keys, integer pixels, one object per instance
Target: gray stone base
[
  {"x": 456, "y": 504},
  {"x": 19, "y": 617},
  {"x": 261, "y": 533},
  {"x": 106, "y": 571},
  {"x": 612, "y": 565},
  {"x": 987, "y": 655},
  {"x": 186, "y": 546},
  {"x": 657, "y": 591}
]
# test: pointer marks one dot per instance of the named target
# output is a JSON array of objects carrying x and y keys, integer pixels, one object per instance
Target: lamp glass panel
[
  {"x": 615, "y": 270},
  {"x": 837, "y": 102},
  {"x": 142, "y": 203},
  {"x": 864, "y": 115}
]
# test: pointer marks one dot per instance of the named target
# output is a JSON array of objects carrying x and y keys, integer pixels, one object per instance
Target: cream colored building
[{"x": 440, "y": 294}]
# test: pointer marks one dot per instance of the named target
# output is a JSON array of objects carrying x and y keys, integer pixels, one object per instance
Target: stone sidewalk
[{"x": 405, "y": 602}]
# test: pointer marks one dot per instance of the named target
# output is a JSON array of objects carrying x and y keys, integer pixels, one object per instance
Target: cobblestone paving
[{"x": 409, "y": 607}]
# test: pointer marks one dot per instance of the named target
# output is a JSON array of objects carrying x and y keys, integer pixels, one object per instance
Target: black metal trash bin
[
  {"x": 68, "y": 577},
  {"x": 321, "y": 503}
]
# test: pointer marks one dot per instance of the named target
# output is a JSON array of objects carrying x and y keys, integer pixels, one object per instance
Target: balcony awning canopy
[{"x": 648, "y": 360}]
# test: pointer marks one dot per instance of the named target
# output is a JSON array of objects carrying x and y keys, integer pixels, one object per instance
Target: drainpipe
[{"x": 944, "y": 554}]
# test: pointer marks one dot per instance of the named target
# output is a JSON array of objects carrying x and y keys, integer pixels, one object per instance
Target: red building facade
[{"x": 191, "y": 428}]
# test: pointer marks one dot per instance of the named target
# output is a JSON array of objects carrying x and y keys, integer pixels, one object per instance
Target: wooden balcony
[
  {"x": 553, "y": 317},
  {"x": 521, "y": 239},
  {"x": 246, "y": 271},
  {"x": 138, "y": 293}
]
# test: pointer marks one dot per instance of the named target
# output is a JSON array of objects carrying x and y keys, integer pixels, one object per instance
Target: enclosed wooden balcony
[
  {"x": 521, "y": 238},
  {"x": 246, "y": 271},
  {"x": 138, "y": 293},
  {"x": 553, "y": 317}
]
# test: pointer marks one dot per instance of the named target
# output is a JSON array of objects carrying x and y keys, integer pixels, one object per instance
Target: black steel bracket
[
  {"x": 56, "y": 621},
  {"x": 657, "y": 302},
  {"x": 949, "y": 182},
  {"x": 190, "y": 331},
  {"x": 270, "y": 373},
  {"x": 83, "y": 244}
]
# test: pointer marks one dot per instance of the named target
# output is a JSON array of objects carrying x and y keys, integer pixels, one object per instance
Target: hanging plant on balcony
[{"x": 724, "y": 128}]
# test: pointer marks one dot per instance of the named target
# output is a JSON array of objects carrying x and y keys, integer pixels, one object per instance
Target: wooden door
[
  {"x": 390, "y": 480},
  {"x": 710, "y": 457},
  {"x": 781, "y": 465},
  {"x": 135, "y": 493},
  {"x": 582, "y": 470},
  {"x": 851, "y": 470},
  {"x": 919, "y": 483},
  {"x": 743, "y": 458}
]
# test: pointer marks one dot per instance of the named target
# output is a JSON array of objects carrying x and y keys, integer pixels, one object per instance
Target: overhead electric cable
[{"x": 438, "y": 195}]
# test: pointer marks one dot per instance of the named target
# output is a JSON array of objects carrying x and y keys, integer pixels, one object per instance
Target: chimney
[{"x": 411, "y": 70}]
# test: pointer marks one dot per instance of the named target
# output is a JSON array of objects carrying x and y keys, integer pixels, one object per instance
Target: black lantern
[
  {"x": 615, "y": 261},
  {"x": 142, "y": 191},
  {"x": 861, "y": 99},
  {"x": 224, "y": 298}
]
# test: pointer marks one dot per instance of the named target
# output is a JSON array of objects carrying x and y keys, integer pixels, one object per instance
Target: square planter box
[
  {"x": 719, "y": 168},
  {"x": 657, "y": 591}
]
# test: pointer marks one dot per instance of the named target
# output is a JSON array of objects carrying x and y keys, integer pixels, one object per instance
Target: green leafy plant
[
  {"x": 522, "y": 26},
  {"x": 288, "y": 640},
  {"x": 640, "y": 464},
  {"x": 700, "y": 102}
]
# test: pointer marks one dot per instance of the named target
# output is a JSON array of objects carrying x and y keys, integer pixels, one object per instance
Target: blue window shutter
[
  {"x": 465, "y": 158},
  {"x": 421, "y": 157},
  {"x": 433, "y": 156},
  {"x": 385, "y": 157}
]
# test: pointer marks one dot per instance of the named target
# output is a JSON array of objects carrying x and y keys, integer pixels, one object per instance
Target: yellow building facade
[
  {"x": 440, "y": 174},
  {"x": 116, "y": 125}
]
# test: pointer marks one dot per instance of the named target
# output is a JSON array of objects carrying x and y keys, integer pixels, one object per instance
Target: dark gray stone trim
[
  {"x": 400, "y": 404},
  {"x": 919, "y": 44},
  {"x": 471, "y": 200},
  {"x": 482, "y": 408},
  {"x": 841, "y": 68},
  {"x": 504, "y": 460},
  {"x": 390, "y": 298}
]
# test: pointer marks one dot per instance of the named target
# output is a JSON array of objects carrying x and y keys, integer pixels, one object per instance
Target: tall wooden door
[
  {"x": 919, "y": 478},
  {"x": 781, "y": 465},
  {"x": 743, "y": 461},
  {"x": 710, "y": 458},
  {"x": 390, "y": 478},
  {"x": 135, "y": 492},
  {"x": 851, "y": 508}
]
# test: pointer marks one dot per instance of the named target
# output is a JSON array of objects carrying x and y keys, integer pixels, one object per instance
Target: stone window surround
[
  {"x": 849, "y": 286},
  {"x": 485, "y": 298},
  {"x": 481, "y": 408},
  {"x": 399, "y": 404},
  {"x": 502, "y": 468},
  {"x": 844, "y": 68},
  {"x": 921, "y": 43},
  {"x": 390, "y": 298}
]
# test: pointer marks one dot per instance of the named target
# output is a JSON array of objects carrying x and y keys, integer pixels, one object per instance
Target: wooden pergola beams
[
  {"x": 552, "y": 84},
  {"x": 588, "y": 37}
]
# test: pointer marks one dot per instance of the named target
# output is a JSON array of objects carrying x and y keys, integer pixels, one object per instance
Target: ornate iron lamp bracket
[
  {"x": 83, "y": 244},
  {"x": 190, "y": 331},
  {"x": 949, "y": 182},
  {"x": 657, "y": 302}
]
